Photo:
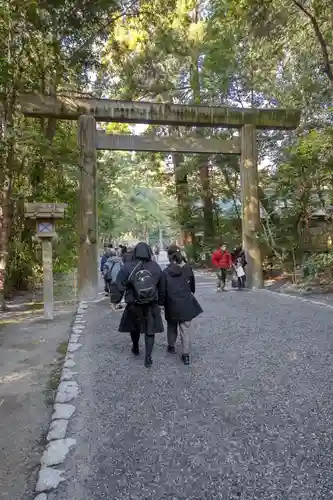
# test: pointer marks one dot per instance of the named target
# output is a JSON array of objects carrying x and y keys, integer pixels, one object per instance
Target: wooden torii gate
[{"x": 89, "y": 110}]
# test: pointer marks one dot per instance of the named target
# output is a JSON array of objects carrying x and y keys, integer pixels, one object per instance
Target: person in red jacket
[{"x": 221, "y": 259}]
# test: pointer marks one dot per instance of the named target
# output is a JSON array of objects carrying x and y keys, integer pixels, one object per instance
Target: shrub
[{"x": 319, "y": 263}]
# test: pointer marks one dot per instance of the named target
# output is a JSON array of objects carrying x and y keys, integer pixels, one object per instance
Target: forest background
[{"x": 258, "y": 53}]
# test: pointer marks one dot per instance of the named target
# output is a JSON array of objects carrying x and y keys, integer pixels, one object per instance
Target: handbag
[{"x": 240, "y": 271}]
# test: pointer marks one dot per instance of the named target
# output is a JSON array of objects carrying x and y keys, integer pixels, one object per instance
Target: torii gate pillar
[
  {"x": 251, "y": 206},
  {"x": 87, "y": 210}
]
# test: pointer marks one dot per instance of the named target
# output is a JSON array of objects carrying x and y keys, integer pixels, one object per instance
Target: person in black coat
[
  {"x": 239, "y": 253},
  {"x": 239, "y": 260},
  {"x": 127, "y": 254},
  {"x": 180, "y": 304},
  {"x": 140, "y": 318}
]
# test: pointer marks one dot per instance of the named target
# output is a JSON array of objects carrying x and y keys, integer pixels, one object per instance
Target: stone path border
[
  {"x": 298, "y": 297},
  {"x": 59, "y": 444},
  {"x": 302, "y": 298}
]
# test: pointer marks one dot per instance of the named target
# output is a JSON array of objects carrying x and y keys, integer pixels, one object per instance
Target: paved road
[{"x": 251, "y": 418}]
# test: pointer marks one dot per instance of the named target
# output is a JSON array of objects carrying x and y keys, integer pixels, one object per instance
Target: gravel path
[{"x": 251, "y": 418}]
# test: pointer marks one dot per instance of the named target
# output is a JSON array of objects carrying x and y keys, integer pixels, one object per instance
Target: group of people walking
[
  {"x": 111, "y": 262},
  {"x": 224, "y": 260},
  {"x": 133, "y": 277},
  {"x": 146, "y": 289}
]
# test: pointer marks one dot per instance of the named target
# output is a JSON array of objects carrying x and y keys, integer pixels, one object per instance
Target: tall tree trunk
[
  {"x": 203, "y": 160},
  {"x": 5, "y": 228},
  {"x": 182, "y": 193},
  {"x": 6, "y": 171},
  {"x": 146, "y": 235},
  {"x": 7, "y": 144},
  {"x": 55, "y": 78},
  {"x": 208, "y": 208},
  {"x": 49, "y": 84}
]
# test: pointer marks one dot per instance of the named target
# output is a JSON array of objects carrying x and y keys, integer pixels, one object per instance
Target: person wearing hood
[
  {"x": 104, "y": 258},
  {"x": 127, "y": 254},
  {"x": 239, "y": 263},
  {"x": 141, "y": 281},
  {"x": 122, "y": 250},
  {"x": 180, "y": 304},
  {"x": 110, "y": 271}
]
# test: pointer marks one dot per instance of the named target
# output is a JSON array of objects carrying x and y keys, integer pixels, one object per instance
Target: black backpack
[{"x": 143, "y": 284}]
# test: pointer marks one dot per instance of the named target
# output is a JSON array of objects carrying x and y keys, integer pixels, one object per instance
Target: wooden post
[
  {"x": 87, "y": 213},
  {"x": 251, "y": 206},
  {"x": 160, "y": 239},
  {"x": 48, "y": 278}
]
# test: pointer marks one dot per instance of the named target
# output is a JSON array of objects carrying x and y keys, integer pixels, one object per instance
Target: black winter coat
[
  {"x": 239, "y": 254},
  {"x": 179, "y": 302},
  {"x": 140, "y": 318},
  {"x": 128, "y": 256}
]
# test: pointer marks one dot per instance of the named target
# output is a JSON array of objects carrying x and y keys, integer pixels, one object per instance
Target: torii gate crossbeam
[{"x": 105, "y": 110}]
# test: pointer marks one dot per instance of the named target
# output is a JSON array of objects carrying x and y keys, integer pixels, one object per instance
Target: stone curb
[
  {"x": 59, "y": 444},
  {"x": 302, "y": 298}
]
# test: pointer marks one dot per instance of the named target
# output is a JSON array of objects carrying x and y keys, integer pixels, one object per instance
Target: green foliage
[
  {"x": 132, "y": 197},
  {"x": 319, "y": 263},
  {"x": 272, "y": 53},
  {"x": 193, "y": 253},
  {"x": 47, "y": 47}
]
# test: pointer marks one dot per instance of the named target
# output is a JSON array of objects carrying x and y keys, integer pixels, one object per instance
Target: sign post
[{"x": 45, "y": 215}]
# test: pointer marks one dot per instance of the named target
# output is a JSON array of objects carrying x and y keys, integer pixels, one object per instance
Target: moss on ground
[{"x": 55, "y": 375}]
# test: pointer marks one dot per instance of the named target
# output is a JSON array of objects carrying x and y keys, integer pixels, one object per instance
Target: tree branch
[
  {"x": 321, "y": 39},
  {"x": 103, "y": 27}
]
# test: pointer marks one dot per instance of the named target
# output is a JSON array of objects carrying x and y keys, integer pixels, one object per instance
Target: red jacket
[{"x": 222, "y": 260}]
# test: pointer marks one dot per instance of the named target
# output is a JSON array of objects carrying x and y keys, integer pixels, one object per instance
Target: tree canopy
[{"x": 259, "y": 53}]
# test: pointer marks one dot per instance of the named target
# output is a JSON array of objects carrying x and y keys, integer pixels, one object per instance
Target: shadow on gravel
[{"x": 32, "y": 352}]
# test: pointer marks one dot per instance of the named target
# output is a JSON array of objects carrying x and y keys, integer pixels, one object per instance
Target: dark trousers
[
  {"x": 112, "y": 291},
  {"x": 149, "y": 342},
  {"x": 221, "y": 278},
  {"x": 241, "y": 282}
]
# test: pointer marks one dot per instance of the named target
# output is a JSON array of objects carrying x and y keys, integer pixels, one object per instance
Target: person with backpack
[
  {"x": 141, "y": 281},
  {"x": 110, "y": 272},
  {"x": 180, "y": 304},
  {"x": 104, "y": 258}
]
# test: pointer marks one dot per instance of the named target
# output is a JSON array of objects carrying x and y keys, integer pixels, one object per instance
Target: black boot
[
  {"x": 136, "y": 350},
  {"x": 171, "y": 349},
  {"x": 186, "y": 359},
  {"x": 149, "y": 343},
  {"x": 135, "y": 339},
  {"x": 148, "y": 362}
]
